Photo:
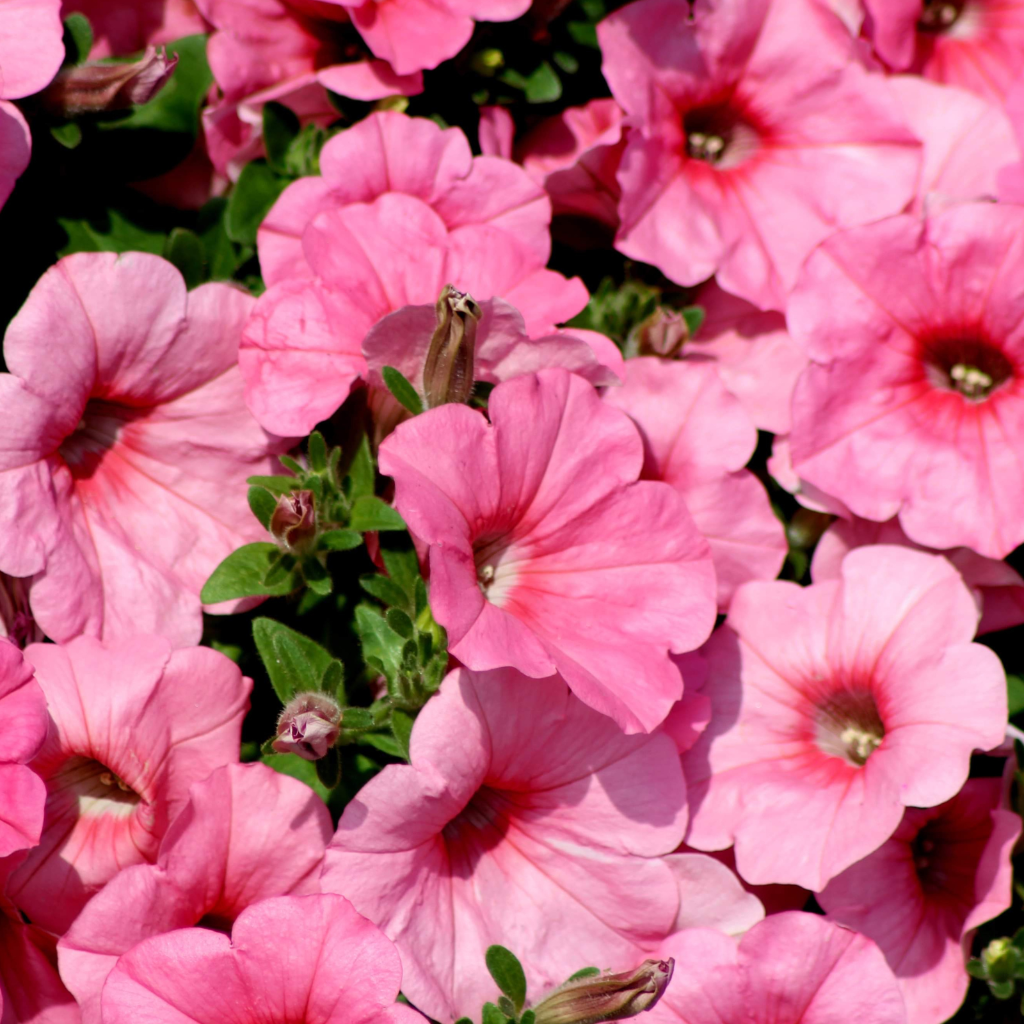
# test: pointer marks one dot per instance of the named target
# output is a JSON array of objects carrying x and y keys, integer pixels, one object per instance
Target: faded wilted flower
[
  {"x": 308, "y": 726},
  {"x": 606, "y": 996},
  {"x": 92, "y": 88},
  {"x": 448, "y": 370}
]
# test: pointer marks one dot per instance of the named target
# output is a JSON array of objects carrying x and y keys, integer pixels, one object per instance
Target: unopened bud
[
  {"x": 308, "y": 726},
  {"x": 662, "y": 333},
  {"x": 448, "y": 370},
  {"x": 293, "y": 522},
  {"x": 92, "y": 88},
  {"x": 607, "y": 996}
]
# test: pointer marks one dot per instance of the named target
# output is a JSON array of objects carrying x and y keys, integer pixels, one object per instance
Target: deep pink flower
[
  {"x": 125, "y": 446},
  {"x": 302, "y": 959},
  {"x": 546, "y": 554},
  {"x": 737, "y": 163},
  {"x": 835, "y": 706},
  {"x": 542, "y": 829},
  {"x": 1011, "y": 178},
  {"x": 698, "y": 439},
  {"x": 997, "y": 588},
  {"x": 22, "y": 731},
  {"x": 792, "y": 967},
  {"x": 15, "y": 148},
  {"x": 912, "y": 402},
  {"x": 123, "y": 27},
  {"x": 303, "y": 347},
  {"x": 134, "y": 725},
  {"x": 945, "y": 870},
  {"x": 246, "y": 833}
]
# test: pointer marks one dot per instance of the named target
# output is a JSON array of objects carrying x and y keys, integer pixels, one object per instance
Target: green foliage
[
  {"x": 402, "y": 390},
  {"x": 77, "y": 39},
  {"x": 616, "y": 309},
  {"x": 254, "y": 569},
  {"x": 185, "y": 250},
  {"x": 250, "y": 201},
  {"x": 295, "y": 663},
  {"x": 508, "y": 975},
  {"x": 1015, "y": 694}
]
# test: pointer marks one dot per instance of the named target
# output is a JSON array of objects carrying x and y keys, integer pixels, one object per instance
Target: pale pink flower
[
  {"x": 22, "y": 731},
  {"x": 945, "y": 870},
  {"x": 698, "y": 438},
  {"x": 835, "y": 706},
  {"x": 1011, "y": 178},
  {"x": 912, "y": 402},
  {"x": 123, "y": 27},
  {"x": 134, "y": 724},
  {"x": 546, "y": 553},
  {"x": 998, "y": 589},
  {"x": 542, "y": 829},
  {"x": 302, "y": 959},
  {"x": 246, "y": 833},
  {"x": 126, "y": 446},
  {"x": 737, "y": 163},
  {"x": 15, "y": 148},
  {"x": 791, "y": 967},
  {"x": 302, "y": 349}
]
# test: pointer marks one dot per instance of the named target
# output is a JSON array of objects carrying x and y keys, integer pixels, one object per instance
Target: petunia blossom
[
  {"x": 23, "y": 723},
  {"x": 247, "y": 833},
  {"x": 303, "y": 959},
  {"x": 125, "y": 446},
  {"x": 546, "y": 552},
  {"x": 1010, "y": 179},
  {"x": 123, "y": 27},
  {"x": 736, "y": 163},
  {"x": 302, "y": 349},
  {"x": 698, "y": 439},
  {"x": 134, "y": 724},
  {"x": 911, "y": 404},
  {"x": 792, "y": 967},
  {"x": 835, "y": 706},
  {"x": 945, "y": 870},
  {"x": 542, "y": 829}
]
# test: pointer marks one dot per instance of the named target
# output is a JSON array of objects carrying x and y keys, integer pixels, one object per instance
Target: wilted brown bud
[
  {"x": 308, "y": 726},
  {"x": 662, "y": 333},
  {"x": 607, "y": 996},
  {"x": 92, "y": 88},
  {"x": 293, "y": 523},
  {"x": 16, "y": 622},
  {"x": 448, "y": 370}
]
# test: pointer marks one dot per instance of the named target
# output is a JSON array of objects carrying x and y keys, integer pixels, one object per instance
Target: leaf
[
  {"x": 584, "y": 33},
  {"x": 185, "y": 250},
  {"x": 1014, "y": 694},
  {"x": 316, "y": 451},
  {"x": 339, "y": 540},
  {"x": 543, "y": 86},
  {"x": 383, "y": 741},
  {"x": 976, "y": 969},
  {"x": 464, "y": 1020},
  {"x": 400, "y": 387},
  {"x": 318, "y": 579},
  {"x": 328, "y": 768},
  {"x": 401, "y": 726},
  {"x": 358, "y": 719},
  {"x": 77, "y": 39},
  {"x": 1002, "y": 989},
  {"x": 222, "y": 257},
  {"x": 114, "y": 229},
  {"x": 401, "y": 624},
  {"x": 241, "y": 574},
  {"x": 298, "y": 768},
  {"x": 69, "y": 135},
  {"x": 280, "y": 127},
  {"x": 506, "y": 1007},
  {"x": 370, "y": 513},
  {"x": 262, "y": 503},
  {"x": 528, "y": 1017},
  {"x": 492, "y": 1015},
  {"x": 274, "y": 484},
  {"x": 383, "y": 589},
  {"x": 378, "y": 639},
  {"x": 402, "y": 564},
  {"x": 586, "y": 972},
  {"x": 332, "y": 682},
  {"x": 250, "y": 201},
  {"x": 507, "y": 972},
  {"x": 693, "y": 317},
  {"x": 294, "y": 662},
  {"x": 361, "y": 473}
]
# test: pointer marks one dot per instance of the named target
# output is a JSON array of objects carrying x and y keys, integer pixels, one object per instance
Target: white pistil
[{"x": 860, "y": 743}]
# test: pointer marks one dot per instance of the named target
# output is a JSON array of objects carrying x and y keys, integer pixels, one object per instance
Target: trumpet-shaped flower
[
  {"x": 546, "y": 553},
  {"x": 835, "y": 706},
  {"x": 134, "y": 725}
]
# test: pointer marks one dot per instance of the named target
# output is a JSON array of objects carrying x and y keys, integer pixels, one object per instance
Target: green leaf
[
  {"x": 401, "y": 624},
  {"x": 185, "y": 250},
  {"x": 332, "y": 682},
  {"x": 339, "y": 540},
  {"x": 318, "y": 579},
  {"x": 69, "y": 135},
  {"x": 507, "y": 972},
  {"x": 566, "y": 61},
  {"x": 492, "y": 1015},
  {"x": 693, "y": 317},
  {"x": 316, "y": 452},
  {"x": 584, "y": 33},
  {"x": 543, "y": 86},
  {"x": 274, "y": 484},
  {"x": 1002, "y": 989},
  {"x": 232, "y": 651},
  {"x": 328, "y": 768},
  {"x": 280, "y": 127},
  {"x": 506, "y": 1007},
  {"x": 464, "y": 1020},
  {"x": 358, "y": 719},
  {"x": 977, "y": 969},
  {"x": 77, "y": 39},
  {"x": 400, "y": 387},
  {"x": 298, "y": 768},
  {"x": 379, "y": 640},
  {"x": 401, "y": 726},
  {"x": 383, "y": 741},
  {"x": 586, "y": 972},
  {"x": 361, "y": 472},
  {"x": 250, "y": 201},
  {"x": 370, "y": 513},
  {"x": 1015, "y": 694},
  {"x": 402, "y": 564},
  {"x": 241, "y": 574},
  {"x": 262, "y": 503},
  {"x": 222, "y": 257},
  {"x": 122, "y": 228},
  {"x": 383, "y": 589},
  {"x": 294, "y": 662},
  {"x": 528, "y": 1017}
]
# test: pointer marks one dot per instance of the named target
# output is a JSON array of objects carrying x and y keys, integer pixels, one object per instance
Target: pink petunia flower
[
  {"x": 912, "y": 402},
  {"x": 302, "y": 349},
  {"x": 303, "y": 959},
  {"x": 698, "y": 439},
  {"x": 920, "y": 895},
  {"x": 792, "y": 967},
  {"x": 998, "y": 589},
  {"x": 16, "y": 622},
  {"x": 736, "y": 163},
  {"x": 542, "y": 829},
  {"x": 835, "y": 706},
  {"x": 1010, "y": 179},
  {"x": 246, "y": 833},
  {"x": 22, "y": 731},
  {"x": 546, "y": 553},
  {"x": 125, "y": 446},
  {"x": 134, "y": 724},
  {"x": 124, "y": 27}
]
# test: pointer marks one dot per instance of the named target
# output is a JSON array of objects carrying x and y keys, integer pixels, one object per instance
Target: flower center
[
  {"x": 718, "y": 135},
  {"x": 939, "y": 15},
  {"x": 494, "y": 567},
  {"x": 847, "y": 725},
  {"x": 97, "y": 432},
  {"x": 973, "y": 368},
  {"x": 99, "y": 791}
]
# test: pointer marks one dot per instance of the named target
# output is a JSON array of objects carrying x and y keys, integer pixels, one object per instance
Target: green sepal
[
  {"x": 275, "y": 484},
  {"x": 316, "y": 452},
  {"x": 401, "y": 727},
  {"x": 492, "y": 1015},
  {"x": 339, "y": 540},
  {"x": 586, "y": 972},
  {"x": 384, "y": 589}
]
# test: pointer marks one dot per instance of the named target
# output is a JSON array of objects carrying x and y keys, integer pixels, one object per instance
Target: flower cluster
[{"x": 498, "y": 506}]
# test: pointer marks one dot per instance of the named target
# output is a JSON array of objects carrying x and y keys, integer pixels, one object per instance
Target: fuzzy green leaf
[
  {"x": 294, "y": 662},
  {"x": 400, "y": 387},
  {"x": 370, "y": 513},
  {"x": 507, "y": 972},
  {"x": 242, "y": 573}
]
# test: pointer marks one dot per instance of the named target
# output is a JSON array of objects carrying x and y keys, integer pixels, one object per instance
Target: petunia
[
  {"x": 835, "y": 706},
  {"x": 542, "y": 829},
  {"x": 945, "y": 870},
  {"x": 134, "y": 724},
  {"x": 792, "y": 967},
  {"x": 125, "y": 446},
  {"x": 736, "y": 162},
  {"x": 546, "y": 553},
  {"x": 247, "y": 833},
  {"x": 123, "y": 27},
  {"x": 1010, "y": 179},
  {"x": 303, "y": 959},
  {"x": 912, "y": 403}
]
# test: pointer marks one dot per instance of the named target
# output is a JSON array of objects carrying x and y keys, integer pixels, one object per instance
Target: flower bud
[
  {"x": 607, "y": 996},
  {"x": 92, "y": 88},
  {"x": 662, "y": 333},
  {"x": 293, "y": 522},
  {"x": 448, "y": 370},
  {"x": 308, "y": 726},
  {"x": 16, "y": 622}
]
